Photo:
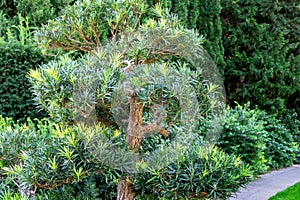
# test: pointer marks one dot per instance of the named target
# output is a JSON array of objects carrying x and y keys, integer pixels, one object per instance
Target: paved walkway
[{"x": 269, "y": 184}]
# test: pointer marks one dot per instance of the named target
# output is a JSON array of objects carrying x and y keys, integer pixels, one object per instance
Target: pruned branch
[{"x": 154, "y": 126}]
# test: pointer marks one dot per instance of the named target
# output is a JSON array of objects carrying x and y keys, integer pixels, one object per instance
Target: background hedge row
[{"x": 261, "y": 42}]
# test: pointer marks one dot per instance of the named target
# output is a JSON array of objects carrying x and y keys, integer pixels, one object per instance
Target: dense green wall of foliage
[{"x": 261, "y": 42}]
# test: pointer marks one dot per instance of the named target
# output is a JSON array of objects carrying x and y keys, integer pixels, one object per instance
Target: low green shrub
[
  {"x": 15, "y": 141},
  {"x": 280, "y": 146},
  {"x": 291, "y": 120},
  {"x": 260, "y": 139},
  {"x": 43, "y": 155},
  {"x": 52, "y": 160},
  {"x": 244, "y": 135},
  {"x": 211, "y": 174}
]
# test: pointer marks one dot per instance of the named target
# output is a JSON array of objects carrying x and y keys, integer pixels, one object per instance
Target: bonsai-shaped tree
[{"x": 139, "y": 74}]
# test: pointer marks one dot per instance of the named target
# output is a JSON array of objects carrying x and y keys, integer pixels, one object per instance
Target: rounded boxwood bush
[{"x": 18, "y": 55}]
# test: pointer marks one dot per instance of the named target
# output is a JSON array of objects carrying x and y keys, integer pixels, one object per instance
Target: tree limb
[{"x": 154, "y": 126}]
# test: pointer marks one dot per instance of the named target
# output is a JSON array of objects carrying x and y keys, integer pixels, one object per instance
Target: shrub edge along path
[{"x": 269, "y": 184}]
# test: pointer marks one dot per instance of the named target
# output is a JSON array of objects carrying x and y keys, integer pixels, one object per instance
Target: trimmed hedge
[
  {"x": 16, "y": 98},
  {"x": 261, "y": 42},
  {"x": 244, "y": 135}
]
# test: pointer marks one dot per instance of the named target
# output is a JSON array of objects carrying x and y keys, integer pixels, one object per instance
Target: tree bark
[
  {"x": 134, "y": 134},
  {"x": 125, "y": 189},
  {"x": 133, "y": 140}
]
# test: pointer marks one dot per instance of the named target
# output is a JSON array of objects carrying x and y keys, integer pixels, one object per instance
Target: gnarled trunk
[
  {"x": 125, "y": 189},
  {"x": 135, "y": 132},
  {"x": 134, "y": 140}
]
